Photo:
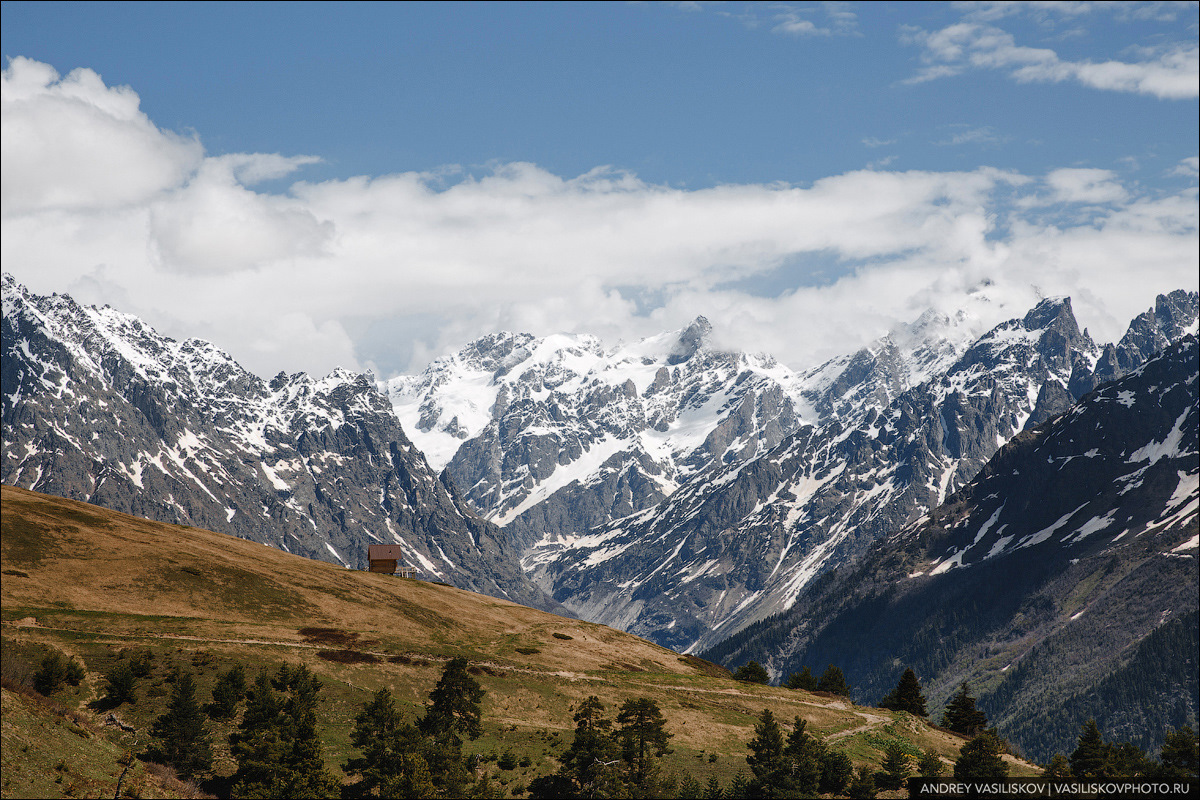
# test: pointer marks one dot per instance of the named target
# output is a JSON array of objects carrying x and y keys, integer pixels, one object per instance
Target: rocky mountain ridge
[
  {"x": 1060, "y": 582},
  {"x": 97, "y": 406},
  {"x": 740, "y": 541}
]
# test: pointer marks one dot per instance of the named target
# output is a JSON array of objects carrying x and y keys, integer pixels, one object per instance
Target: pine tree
[
  {"x": 276, "y": 745},
  {"x": 961, "y": 715},
  {"x": 227, "y": 692},
  {"x": 713, "y": 790},
  {"x": 804, "y": 679},
  {"x": 836, "y": 770},
  {"x": 1088, "y": 760},
  {"x": 906, "y": 696},
  {"x": 895, "y": 768},
  {"x": 306, "y": 761},
  {"x": 833, "y": 681},
  {"x": 392, "y": 757},
  {"x": 739, "y": 787},
  {"x": 804, "y": 752},
  {"x": 642, "y": 734},
  {"x": 258, "y": 744},
  {"x": 591, "y": 760},
  {"x": 51, "y": 675},
  {"x": 690, "y": 788},
  {"x": 980, "y": 759},
  {"x": 1058, "y": 767},
  {"x": 1180, "y": 754},
  {"x": 863, "y": 784},
  {"x": 454, "y": 703},
  {"x": 181, "y": 732},
  {"x": 120, "y": 685},
  {"x": 772, "y": 772},
  {"x": 930, "y": 766}
]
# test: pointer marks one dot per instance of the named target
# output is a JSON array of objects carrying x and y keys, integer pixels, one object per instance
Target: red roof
[{"x": 384, "y": 552}]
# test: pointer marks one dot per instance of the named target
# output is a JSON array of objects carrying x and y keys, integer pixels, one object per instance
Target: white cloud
[
  {"x": 1169, "y": 72},
  {"x": 1188, "y": 167},
  {"x": 968, "y": 135},
  {"x": 1074, "y": 185},
  {"x": 74, "y": 143},
  {"x": 296, "y": 280},
  {"x": 215, "y": 224}
]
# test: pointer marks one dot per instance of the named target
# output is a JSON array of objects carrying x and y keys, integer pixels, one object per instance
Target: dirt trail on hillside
[
  {"x": 872, "y": 720},
  {"x": 30, "y": 622}
]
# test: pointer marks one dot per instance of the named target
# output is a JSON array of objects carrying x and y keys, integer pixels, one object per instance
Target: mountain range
[
  {"x": 667, "y": 487},
  {"x": 97, "y": 406},
  {"x": 1061, "y": 582}
]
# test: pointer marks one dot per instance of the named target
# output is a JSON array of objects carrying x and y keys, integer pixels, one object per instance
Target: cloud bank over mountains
[{"x": 386, "y": 271}]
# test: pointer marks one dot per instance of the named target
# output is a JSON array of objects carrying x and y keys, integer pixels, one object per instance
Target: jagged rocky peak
[
  {"x": 691, "y": 339},
  {"x": 888, "y": 447},
  {"x": 100, "y": 407},
  {"x": 498, "y": 352}
]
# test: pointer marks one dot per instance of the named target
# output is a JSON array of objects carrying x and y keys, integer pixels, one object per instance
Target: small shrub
[
  {"x": 507, "y": 761},
  {"x": 562, "y": 636},
  {"x": 75, "y": 672},
  {"x": 752, "y": 672},
  {"x": 121, "y": 685},
  {"x": 528, "y": 651},
  {"x": 141, "y": 664},
  {"x": 348, "y": 656},
  {"x": 52, "y": 674}
]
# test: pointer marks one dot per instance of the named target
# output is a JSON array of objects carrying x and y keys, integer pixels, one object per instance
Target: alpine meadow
[{"x": 644, "y": 400}]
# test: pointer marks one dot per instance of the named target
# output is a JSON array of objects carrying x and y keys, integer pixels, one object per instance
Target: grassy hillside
[{"x": 102, "y": 586}]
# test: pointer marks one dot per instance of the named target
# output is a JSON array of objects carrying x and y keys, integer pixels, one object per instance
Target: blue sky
[{"x": 806, "y": 175}]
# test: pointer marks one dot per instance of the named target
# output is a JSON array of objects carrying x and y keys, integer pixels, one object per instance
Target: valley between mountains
[{"x": 1014, "y": 505}]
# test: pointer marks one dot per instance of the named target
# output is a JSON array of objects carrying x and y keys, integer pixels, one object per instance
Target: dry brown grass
[{"x": 96, "y": 579}]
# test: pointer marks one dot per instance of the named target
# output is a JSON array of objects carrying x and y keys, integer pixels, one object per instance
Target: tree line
[{"x": 278, "y": 753}]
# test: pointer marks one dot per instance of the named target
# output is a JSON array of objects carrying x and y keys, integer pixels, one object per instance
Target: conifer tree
[
  {"x": 713, "y": 790},
  {"x": 1090, "y": 757},
  {"x": 642, "y": 735},
  {"x": 804, "y": 679},
  {"x": 895, "y": 768},
  {"x": 690, "y": 788},
  {"x": 833, "y": 681},
  {"x": 181, "y": 732},
  {"x": 980, "y": 759},
  {"x": 961, "y": 715},
  {"x": 930, "y": 766},
  {"x": 591, "y": 760},
  {"x": 392, "y": 762},
  {"x": 51, "y": 675},
  {"x": 739, "y": 787},
  {"x": 906, "y": 696},
  {"x": 836, "y": 770},
  {"x": 227, "y": 692},
  {"x": 772, "y": 773},
  {"x": 804, "y": 754},
  {"x": 863, "y": 784},
  {"x": 1059, "y": 767},
  {"x": 120, "y": 685},
  {"x": 454, "y": 703},
  {"x": 1180, "y": 754},
  {"x": 258, "y": 744},
  {"x": 276, "y": 745}
]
